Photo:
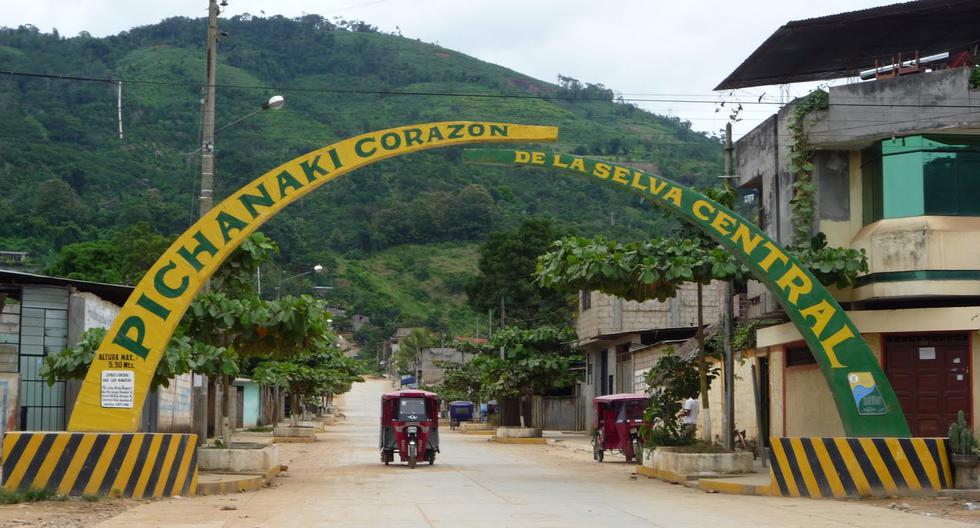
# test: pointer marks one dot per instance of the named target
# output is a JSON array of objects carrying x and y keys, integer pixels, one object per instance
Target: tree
[
  {"x": 460, "y": 381},
  {"x": 102, "y": 260},
  {"x": 507, "y": 262},
  {"x": 252, "y": 328},
  {"x": 672, "y": 380},
  {"x": 181, "y": 356},
  {"x": 321, "y": 373},
  {"x": 410, "y": 349},
  {"x": 534, "y": 361},
  {"x": 654, "y": 269}
]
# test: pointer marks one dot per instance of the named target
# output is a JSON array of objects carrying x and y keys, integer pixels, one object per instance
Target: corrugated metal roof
[
  {"x": 114, "y": 293},
  {"x": 841, "y": 45}
]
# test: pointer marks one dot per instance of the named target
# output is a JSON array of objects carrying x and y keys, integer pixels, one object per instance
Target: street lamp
[
  {"x": 316, "y": 269},
  {"x": 274, "y": 103}
]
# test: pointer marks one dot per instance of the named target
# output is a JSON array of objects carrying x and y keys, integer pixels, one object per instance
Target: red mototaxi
[
  {"x": 618, "y": 418},
  {"x": 410, "y": 426}
]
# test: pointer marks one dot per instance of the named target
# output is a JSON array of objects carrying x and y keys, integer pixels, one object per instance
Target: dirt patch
[
  {"x": 939, "y": 507},
  {"x": 63, "y": 514}
]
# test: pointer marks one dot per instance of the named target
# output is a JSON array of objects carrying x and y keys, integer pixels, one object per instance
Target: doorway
[{"x": 931, "y": 376}]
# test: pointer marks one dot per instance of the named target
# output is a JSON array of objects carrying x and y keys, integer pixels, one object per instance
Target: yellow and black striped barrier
[
  {"x": 112, "y": 464},
  {"x": 858, "y": 467}
]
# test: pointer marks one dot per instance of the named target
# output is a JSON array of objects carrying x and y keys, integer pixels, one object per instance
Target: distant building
[
  {"x": 622, "y": 339},
  {"x": 430, "y": 372},
  {"x": 358, "y": 321}
]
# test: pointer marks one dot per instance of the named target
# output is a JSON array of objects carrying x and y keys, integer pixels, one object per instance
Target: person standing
[{"x": 689, "y": 416}]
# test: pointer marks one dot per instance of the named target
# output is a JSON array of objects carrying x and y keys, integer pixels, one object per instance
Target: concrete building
[
  {"x": 622, "y": 339},
  {"x": 897, "y": 174},
  {"x": 430, "y": 372},
  {"x": 40, "y": 315}
]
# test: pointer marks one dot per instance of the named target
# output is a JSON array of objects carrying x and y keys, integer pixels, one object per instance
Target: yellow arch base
[
  {"x": 107, "y": 464},
  {"x": 858, "y": 467},
  {"x": 116, "y": 385}
]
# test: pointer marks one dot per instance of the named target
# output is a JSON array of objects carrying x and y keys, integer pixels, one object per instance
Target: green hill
[{"x": 67, "y": 177}]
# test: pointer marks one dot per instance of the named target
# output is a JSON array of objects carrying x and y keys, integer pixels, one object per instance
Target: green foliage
[
  {"x": 837, "y": 266},
  {"x": 534, "y": 362},
  {"x": 507, "y": 261},
  {"x": 460, "y": 381},
  {"x": 803, "y": 202},
  {"x": 652, "y": 269},
  {"x": 180, "y": 357},
  {"x": 68, "y": 179},
  {"x": 30, "y": 495},
  {"x": 105, "y": 261},
  {"x": 672, "y": 380},
  {"x": 743, "y": 338},
  {"x": 961, "y": 439},
  {"x": 322, "y": 372}
]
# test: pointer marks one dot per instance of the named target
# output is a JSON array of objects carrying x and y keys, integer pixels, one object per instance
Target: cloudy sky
[{"x": 643, "y": 49}]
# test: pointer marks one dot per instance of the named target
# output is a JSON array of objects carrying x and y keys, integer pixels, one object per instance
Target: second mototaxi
[{"x": 618, "y": 418}]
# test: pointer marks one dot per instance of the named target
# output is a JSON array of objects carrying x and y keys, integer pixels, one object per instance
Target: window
[
  {"x": 921, "y": 175},
  {"x": 586, "y": 300},
  {"x": 798, "y": 355},
  {"x": 411, "y": 409}
]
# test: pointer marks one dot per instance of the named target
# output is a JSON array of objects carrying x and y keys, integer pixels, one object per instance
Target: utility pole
[
  {"x": 728, "y": 422},
  {"x": 503, "y": 321},
  {"x": 207, "y": 134},
  {"x": 199, "y": 390}
]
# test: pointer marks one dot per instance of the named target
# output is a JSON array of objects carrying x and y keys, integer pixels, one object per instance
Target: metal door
[
  {"x": 931, "y": 376},
  {"x": 43, "y": 331}
]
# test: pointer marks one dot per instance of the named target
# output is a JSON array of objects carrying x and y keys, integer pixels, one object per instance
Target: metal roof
[
  {"x": 409, "y": 393},
  {"x": 841, "y": 45},
  {"x": 114, "y": 293}
]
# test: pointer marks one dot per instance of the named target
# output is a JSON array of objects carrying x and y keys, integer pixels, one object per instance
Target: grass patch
[
  {"x": 263, "y": 429},
  {"x": 31, "y": 495}
]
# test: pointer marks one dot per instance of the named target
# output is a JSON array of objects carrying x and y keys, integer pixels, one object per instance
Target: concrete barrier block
[
  {"x": 697, "y": 464},
  {"x": 859, "y": 467},
  {"x": 239, "y": 458},
  {"x": 298, "y": 433},
  {"x": 518, "y": 432},
  {"x": 110, "y": 464}
]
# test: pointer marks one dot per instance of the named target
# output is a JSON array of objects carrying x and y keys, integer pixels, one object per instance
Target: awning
[{"x": 841, "y": 45}]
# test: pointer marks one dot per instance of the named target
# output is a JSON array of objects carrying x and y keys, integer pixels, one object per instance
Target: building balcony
[{"x": 920, "y": 256}]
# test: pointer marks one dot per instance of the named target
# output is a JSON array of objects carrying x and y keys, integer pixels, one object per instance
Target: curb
[
  {"x": 488, "y": 432},
  {"x": 668, "y": 476},
  {"x": 247, "y": 482},
  {"x": 735, "y": 488},
  {"x": 502, "y": 440}
]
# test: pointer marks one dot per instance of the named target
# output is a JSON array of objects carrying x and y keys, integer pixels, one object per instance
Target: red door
[{"x": 931, "y": 376}]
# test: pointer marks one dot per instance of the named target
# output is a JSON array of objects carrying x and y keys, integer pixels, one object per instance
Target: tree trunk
[
  {"x": 275, "y": 407},
  {"x": 703, "y": 369},
  {"x": 520, "y": 403},
  {"x": 294, "y": 409},
  {"x": 225, "y": 406}
]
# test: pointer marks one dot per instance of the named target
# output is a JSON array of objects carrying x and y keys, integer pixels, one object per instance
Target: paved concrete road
[{"x": 340, "y": 482}]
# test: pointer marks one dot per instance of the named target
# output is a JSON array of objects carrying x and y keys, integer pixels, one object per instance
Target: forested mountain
[{"x": 67, "y": 177}]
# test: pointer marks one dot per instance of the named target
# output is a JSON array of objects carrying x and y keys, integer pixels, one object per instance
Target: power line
[{"x": 478, "y": 95}]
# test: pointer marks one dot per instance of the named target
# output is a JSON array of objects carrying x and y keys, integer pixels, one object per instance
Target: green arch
[{"x": 864, "y": 398}]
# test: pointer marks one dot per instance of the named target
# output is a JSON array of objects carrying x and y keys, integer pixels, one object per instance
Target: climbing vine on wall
[{"x": 804, "y": 201}]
